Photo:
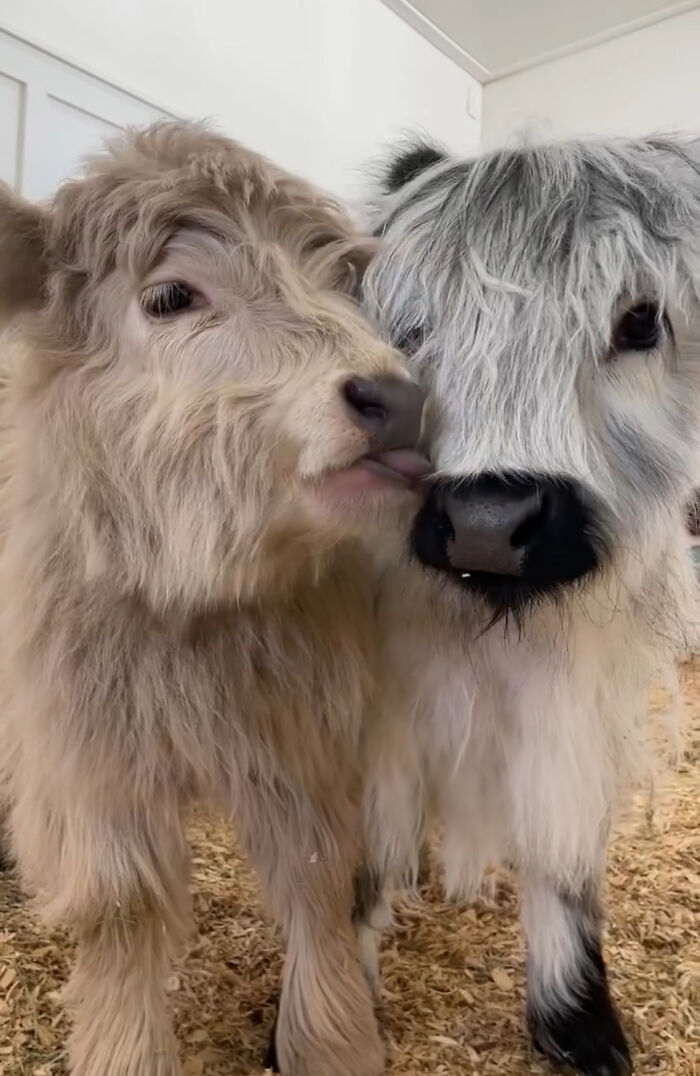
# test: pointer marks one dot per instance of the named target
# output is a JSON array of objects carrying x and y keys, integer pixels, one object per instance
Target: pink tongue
[{"x": 406, "y": 462}]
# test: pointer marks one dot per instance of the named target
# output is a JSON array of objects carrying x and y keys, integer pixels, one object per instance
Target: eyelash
[{"x": 167, "y": 299}]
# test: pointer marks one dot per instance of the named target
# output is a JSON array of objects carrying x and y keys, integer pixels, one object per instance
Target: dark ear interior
[
  {"x": 409, "y": 162},
  {"x": 22, "y": 253}
]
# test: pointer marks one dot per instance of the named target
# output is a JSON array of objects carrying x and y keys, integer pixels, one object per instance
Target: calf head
[
  {"x": 199, "y": 404},
  {"x": 549, "y": 300}
]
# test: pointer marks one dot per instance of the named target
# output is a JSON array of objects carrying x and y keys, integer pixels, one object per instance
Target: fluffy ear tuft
[
  {"x": 22, "y": 253},
  {"x": 409, "y": 162}
]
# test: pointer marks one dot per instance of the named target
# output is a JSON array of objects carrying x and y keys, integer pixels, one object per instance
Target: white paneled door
[{"x": 52, "y": 114}]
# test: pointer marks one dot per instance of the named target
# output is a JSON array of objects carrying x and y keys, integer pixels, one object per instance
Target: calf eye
[
  {"x": 640, "y": 329},
  {"x": 163, "y": 300},
  {"x": 410, "y": 340}
]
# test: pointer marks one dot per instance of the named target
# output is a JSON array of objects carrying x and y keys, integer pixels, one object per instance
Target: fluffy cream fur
[{"x": 185, "y": 611}]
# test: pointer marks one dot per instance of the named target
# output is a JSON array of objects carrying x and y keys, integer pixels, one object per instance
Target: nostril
[
  {"x": 374, "y": 411},
  {"x": 526, "y": 531},
  {"x": 441, "y": 521},
  {"x": 365, "y": 398},
  {"x": 388, "y": 408}
]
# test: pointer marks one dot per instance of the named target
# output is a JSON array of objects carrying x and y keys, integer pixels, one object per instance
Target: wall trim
[
  {"x": 437, "y": 37},
  {"x": 78, "y": 65},
  {"x": 425, "y": 26}
]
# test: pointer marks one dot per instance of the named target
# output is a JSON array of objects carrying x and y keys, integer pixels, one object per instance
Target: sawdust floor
[{"x": 453, "y": 978}]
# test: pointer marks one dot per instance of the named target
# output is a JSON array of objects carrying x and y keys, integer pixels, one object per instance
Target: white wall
[
  {"x": 645, "y": 81},
  {"x": 52, "y": 115},
  {"x": 318, "y": 85}
]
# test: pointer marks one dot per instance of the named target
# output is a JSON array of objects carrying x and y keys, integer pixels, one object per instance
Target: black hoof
[
  {"x": 588, "y": 1041},
  {"x": 585, "y": 1036},
  {"x": 270, "y": 1061}
]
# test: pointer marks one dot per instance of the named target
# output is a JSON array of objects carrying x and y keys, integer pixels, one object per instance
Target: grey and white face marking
[{"x": 549, "y": 299}]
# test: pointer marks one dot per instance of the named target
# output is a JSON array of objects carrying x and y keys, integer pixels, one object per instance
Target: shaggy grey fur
[
  {"x": 509, "y": 270},
  {"x": 505, "y": 278}
]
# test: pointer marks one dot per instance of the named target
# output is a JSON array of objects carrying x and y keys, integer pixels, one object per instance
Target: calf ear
[
  {"x": 22, "y": 254},
  {"x": 408, "y": 162}
]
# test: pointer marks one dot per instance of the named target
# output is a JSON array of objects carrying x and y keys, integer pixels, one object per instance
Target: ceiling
[{"x": 493, "y": 38}]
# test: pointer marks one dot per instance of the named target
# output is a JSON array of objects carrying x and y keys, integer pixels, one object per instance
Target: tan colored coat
[{"x": 184, "y": 612}]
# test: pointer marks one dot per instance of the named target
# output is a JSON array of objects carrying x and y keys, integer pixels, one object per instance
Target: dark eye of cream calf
[{"x": 165, "y": 300}]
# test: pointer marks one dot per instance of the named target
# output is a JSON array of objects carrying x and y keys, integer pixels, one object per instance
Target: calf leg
[
  {"x": 570, "y": 1012},
  {"x": 371, "y": 915},
  {"x": 117, "y": 991},
  {"x": 119, "y": 881},
  {"x": 396, "y": 849},
  {"x": 304, "y": 851}
]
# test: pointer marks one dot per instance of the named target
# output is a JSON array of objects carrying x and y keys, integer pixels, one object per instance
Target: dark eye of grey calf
[
  {"x": 164, "y": 300},
  {"x": 640, "y": 328},
  {"x": 410, "y": 340}
]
